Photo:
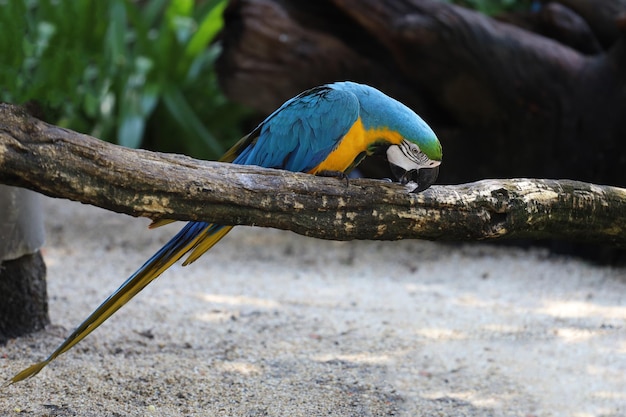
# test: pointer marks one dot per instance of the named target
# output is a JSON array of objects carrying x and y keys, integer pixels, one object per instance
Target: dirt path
[{"x": 274, "y": 324}]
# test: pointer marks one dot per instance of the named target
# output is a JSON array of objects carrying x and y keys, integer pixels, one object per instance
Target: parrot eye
[
  {"x": 410, "y": 149},
  {"x": 415, "y": 152}
]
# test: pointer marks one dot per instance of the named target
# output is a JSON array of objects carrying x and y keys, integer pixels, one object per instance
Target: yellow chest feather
[{"x": 356, "y": 142}]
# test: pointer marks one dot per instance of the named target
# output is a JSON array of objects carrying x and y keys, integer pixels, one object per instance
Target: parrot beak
[
  {"x": 423, "y": 177},
  {"x": 409, "y": 164}
]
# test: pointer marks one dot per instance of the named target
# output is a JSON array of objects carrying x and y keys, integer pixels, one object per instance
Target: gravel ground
[{"x": 270, "y": 323}]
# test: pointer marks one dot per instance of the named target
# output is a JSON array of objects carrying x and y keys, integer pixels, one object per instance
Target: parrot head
[
  {"x": 414, "y": 154},
  {"x": 416, "y": 160},
  {"x": 412, "y": 148}
]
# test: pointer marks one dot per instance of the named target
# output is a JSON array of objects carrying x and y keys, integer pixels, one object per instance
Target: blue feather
[{"x": 303, "y": 131}]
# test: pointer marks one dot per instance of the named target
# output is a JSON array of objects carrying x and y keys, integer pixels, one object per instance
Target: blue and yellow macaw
[{"x": 327, "y": 130}]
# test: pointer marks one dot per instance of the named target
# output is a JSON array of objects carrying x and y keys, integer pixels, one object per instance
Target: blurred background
[
  {"x": 140, "y": 73},
  {"x": 136, "y": 73},
  {"x": 513, "y": 88}
]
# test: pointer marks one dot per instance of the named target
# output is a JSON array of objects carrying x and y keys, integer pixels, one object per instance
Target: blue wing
[{"x": 301, "y": 133}]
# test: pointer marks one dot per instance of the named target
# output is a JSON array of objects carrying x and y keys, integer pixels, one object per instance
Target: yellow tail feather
[
  {"x": 205, "y": 243},
  {"x": 200, "y": 243},
  {"x": 159, "y": 223}
]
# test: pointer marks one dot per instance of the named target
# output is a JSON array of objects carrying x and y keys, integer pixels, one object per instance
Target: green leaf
[
  {"x": 179, "y": 19},
  {"x": 138, "y": 102},
  {"x": 209, "y": 27},
  {"x": 179, "y": 8},
  {"x": 183, "y": 27},
  {"x": 152, "y": 11},
  {"x": 183, "y": 113},
  {"x": 115, "y": 37},
  {"x": 102, "y": 67},
  {"x": 135, "y": 116}
]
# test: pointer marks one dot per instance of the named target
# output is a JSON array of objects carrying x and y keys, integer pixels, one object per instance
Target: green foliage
[
  {"x": 119, "y": 69},
  {"x": 492, "y": 7}
]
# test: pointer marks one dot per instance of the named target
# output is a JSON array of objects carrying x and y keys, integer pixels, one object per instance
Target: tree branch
[{"x": 65, "y": 164}]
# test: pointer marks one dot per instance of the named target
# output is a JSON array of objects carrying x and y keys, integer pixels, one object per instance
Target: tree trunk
[
  {"x": 23, "y": 296},
  {"x": 23, "y": 299}
]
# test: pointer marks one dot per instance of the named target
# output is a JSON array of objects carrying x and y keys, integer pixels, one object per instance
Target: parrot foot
[{"x": 334, "y": 174}]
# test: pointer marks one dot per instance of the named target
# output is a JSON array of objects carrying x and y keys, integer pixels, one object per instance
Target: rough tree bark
[
  {"x": 61, "y": 163},
  {"x": 506, "y": 101},
  {"x": 23, "y": 296}
]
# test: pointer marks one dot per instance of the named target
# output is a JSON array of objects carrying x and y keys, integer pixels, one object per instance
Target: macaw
[{"x": 327, "y": 130}]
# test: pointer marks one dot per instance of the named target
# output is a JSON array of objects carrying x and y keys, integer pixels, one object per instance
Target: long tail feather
[
  {"x": 192, "y": 237},
  {"x": 159, "y": 223},
  {"x": 206, "y": 241}
]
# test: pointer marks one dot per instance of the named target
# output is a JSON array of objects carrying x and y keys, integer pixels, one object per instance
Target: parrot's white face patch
[
  {"x": 409, "y": 157},
  {"x": 410, "y": 165}
]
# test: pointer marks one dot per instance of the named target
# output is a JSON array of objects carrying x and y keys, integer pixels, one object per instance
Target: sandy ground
[{"x": 270, "y": 323}]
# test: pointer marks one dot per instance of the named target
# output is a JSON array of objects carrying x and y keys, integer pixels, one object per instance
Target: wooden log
[
  {"x": 65, "y": 164},
  {"x": 601, "y": 16}
]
